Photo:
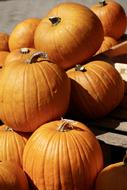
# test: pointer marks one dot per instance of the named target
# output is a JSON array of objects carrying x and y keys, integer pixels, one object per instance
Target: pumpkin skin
[
  {"x": 12, "y": 145},
  {"x": 3, "y": 56},
  {"x": 4, "y": 37},
  {"x": 114, "y": 177},
  {"x": 20, "y": 55},
  {"x": 12, "y": 177},
  {"x": 107, "y": 43},
  {"x": 32, "y": 92},
  {"x": 62, "y": 154},
  {"x": 96, "y": 89},
  {"x": 23, "y": 34},
  {"x": 59, "y": 35},
  {"x": 112, "y": 16}
]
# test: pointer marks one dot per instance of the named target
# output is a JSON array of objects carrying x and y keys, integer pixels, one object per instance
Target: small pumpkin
[
  {"x": 23, "y": 34},
  {"x": 107, "y": 43},
  {"x": 12, "y": 144},
  {"x": 112, "y": 16},
  {"x": 96, "y": 89},
  {"x": 32, "y": 92},
  {"x": 4, "y": 38},
  {"x": 68, "y": 34},
  {"x": 12, "y": 177},
  {"x": 114, "y": 176},
  {"x": 62, "y": 154},
  {"x": 3, "y": 56}
]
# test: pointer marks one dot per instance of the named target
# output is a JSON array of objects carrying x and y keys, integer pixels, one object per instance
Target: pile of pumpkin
[{"x": 46, "y": 77}]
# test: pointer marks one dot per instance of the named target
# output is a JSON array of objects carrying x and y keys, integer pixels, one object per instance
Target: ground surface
[{"x": 14, "y": 11}]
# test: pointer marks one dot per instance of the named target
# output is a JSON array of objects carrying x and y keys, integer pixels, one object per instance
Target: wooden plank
[{"x": 110, "y": 138}]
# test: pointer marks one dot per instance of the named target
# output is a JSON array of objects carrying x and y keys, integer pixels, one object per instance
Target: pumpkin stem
[
  {"x": 102, "y": 2},
  {"x": 55, "y": 20},
  {"x": 65, "y": 126},
  {"x": 79, "y": 67},
  {"x": 24, "y": 50},
  {"x": 125, "y": 159},
  {"x": 36, "y": 56},
  {"x": 8, "y": 128}
]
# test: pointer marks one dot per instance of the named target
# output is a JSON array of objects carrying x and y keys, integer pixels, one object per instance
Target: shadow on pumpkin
[{"x": 92, "y": 114}]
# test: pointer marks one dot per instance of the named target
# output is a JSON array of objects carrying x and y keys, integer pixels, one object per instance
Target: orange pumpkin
[
  {"x": 20, "y": 55},
  {"x": 3, "y": 56},
  {"x": 62, "y": 154},
  {"x": 4, "y": 37},
  {"x": 23, "y": 34},
  {"x": 96, "y": 89},
  {"x": 12, "y": 145},
  {"x": 32, "y": 92},
  {"x": 68, "y": 34},
  {"x": 107, "y": 43},
  {"x": 112, "y": 16},
  {"x": 12, "y": 177},
  {"x": 113, "y": 177}
]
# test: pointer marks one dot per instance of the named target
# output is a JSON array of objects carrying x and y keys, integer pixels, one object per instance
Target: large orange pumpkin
[
  {"x": 12, "y": 145},
  {"x": 62, "y": 154},
  {"x": 112, "y": 16},
  {"x": 70, "y": 33},
  {"x": 12, "y": 177},
  {"x": 32, "y": 92},
  {"x": 23, "y": 34},
  {"x": 113, "y": 177},
  {"x": 4, "y": 38},
  {"x": 96, "y": 89}
]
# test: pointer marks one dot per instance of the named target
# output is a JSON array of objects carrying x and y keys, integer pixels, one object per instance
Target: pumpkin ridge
[
  {"x": 81, "y": 149},
  {"x": 82, "y": 97},
  {"x": 109, "y": 76},
  {"x": 75, "y": 139},
  {"x": 46, "y": 79},
  {"x": 46, "y": 149},
  {"x": 93, "y": 89},
  {"x": 92, "y": 150},
  {"x": 104, "y": 105},
  {"x": 49, "y": 65},
  {"x": 23, "y": 94},
  {"x": 36, "y": 87},
  {"x": 69, "y": 157}
]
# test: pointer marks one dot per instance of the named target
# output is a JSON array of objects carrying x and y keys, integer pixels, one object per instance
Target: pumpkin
[
  {"x": 12, "y": 177},
  {"x": 19, "y": 54},
  {"x": 12, "y": 144},
  {"x": 3, "y": 56},
  {"x": 113, "y": 176},
  {"x": 112, "y": 16},
  {"x": 62, "y": 154},
  {"x": 107, "y": 43},
  {"x": 32, "y": 92},
  {"x": 23, "y": 34},
  {"x": 68, "y": 34},
  {"x": 96, "y": 89},
  {"x": 4, "y": 37}
]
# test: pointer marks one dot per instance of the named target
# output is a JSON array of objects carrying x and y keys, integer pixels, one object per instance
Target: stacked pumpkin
[
  {"x": 38, "y": 87},
  {"x": 114, "y": 21}
]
